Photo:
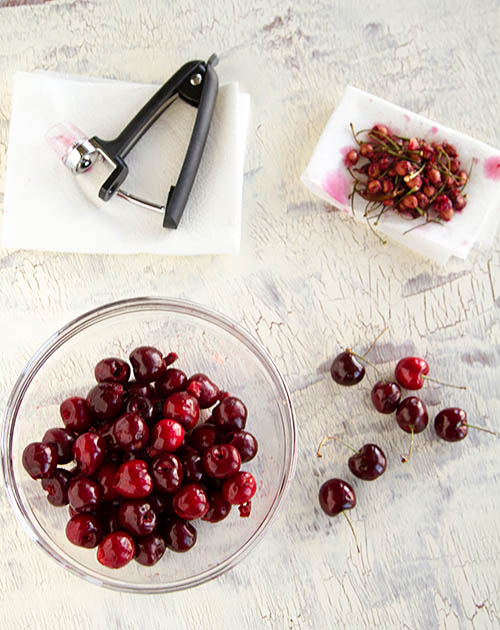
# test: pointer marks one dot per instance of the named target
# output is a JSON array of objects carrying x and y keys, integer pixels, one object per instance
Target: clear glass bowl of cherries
[{"x": 152, "y": 428}]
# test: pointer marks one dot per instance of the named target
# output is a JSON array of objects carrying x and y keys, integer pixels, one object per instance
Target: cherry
[
  {"x": 131, "y": 432},
  {"x": 106, "y": 431},
  {"x": 147, "y": 363},
  {"x": 141, "y": 406},
  {"x": 208, "y": 391},
  {"x": 193, "y": 466},
  {"x": 203, "y": 437},
  {"x": 133, "y": 388},
  {"x": 116, "y": 550},
  {"x": 167, "y": 473},
  {"x": 133, "y": 480},
  {"x": 84, "y": 530},
  {"x": 411, "y": 373},
  {"x": 110, "y": 519},
  {"x": 105, "y": 477},
  {"x": 335, "y": 496},
  {"x": 112, "y": 370},
  {"x": 190, "y": 502},
  {"x": 346, "y": 369},
  {"x": 89, "y": 450},
  {"x": 137, "y": 517},
  {"x": 246, "y": 443},
  {"x": 105, "y": 400},
  {"x": 40, "y": 460},
  {"x": 183, "y": 408},
  {"x": 239, "y": 488},
  {"x": 57, "y": 487},
  {"x": 180, "y": 535},
  {"x": 84, "y": 494},
  {"x": 451, "y": 425},
  {"x": 159, "y": 503},
  {"x": 170, "y": 382},
  {"x": 221, "y": 461},
  {"x": 166, "y": 436},
  {"x": 150, "y": 549},
  {"x": 412, "y": 417},
  {"x": 369, "y": 463},
  {"x": 218, "y": 507},
  {"x": 230, "y": 414},
  {"x": 75, "y": 414},
  {"x": 63, "y": 440},
  {"x": 386, "y": 396}
]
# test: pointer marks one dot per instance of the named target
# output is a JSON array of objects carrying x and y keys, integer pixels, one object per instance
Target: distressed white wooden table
[{"x": 306, "y": 283}]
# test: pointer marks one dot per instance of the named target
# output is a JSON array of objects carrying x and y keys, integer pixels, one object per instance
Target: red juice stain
[
  {"x": 407, "y": 117},
  {"x": 336, "y": 185},
  {"x": 434, "y": 129},
  {"x": 492, "y": 168}
]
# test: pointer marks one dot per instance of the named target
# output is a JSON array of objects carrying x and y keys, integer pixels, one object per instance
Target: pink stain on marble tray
[
  {"x": 336, "y": 184},
  {"x": 492, "y": 168}
]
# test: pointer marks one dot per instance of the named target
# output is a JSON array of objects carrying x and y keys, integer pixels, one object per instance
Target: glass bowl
[{"x": 205, "y": 342}]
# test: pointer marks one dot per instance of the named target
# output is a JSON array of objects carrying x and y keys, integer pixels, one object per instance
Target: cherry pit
[{"x": 145, "y": 459}]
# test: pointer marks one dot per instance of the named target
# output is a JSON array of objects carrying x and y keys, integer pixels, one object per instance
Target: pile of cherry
[
  {"x": 142, "y": 468},
  {"x": 369, "y": 462}
]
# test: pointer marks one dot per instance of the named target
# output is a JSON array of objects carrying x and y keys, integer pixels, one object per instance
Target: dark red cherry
[
  {"x": 40, "y": 460},
  {"x": 84, "y": 494},
  {"x": 159, "y": 503},
  {"x": 110, "y": 518},
  {"x": 167, "y": 473},
  {"x": 131, "y": 432},
  {"x": 346, "y": 369},
  {"x": 141, "y": 406},
  {"x": 245, "y": 509},
  {"x": 368, "y": 463},
  {"x": 451, "y": 424},
  {"x": 230, "y": 414},
  {"x": 246, "y": 444},
  {"x": 105, "y": 477},
  {"x": 239, "y": 488},
  {"x": 221, "y": 461},
  {"x": 137, "y": 517},
  {"x": 112, "y": 370},
  {"x": 412, "y": 415},
  {"x": 147, "y": 363},
  {"x": 133, "y": 480},
  {"x": 218, "y": 507},
  {"x": 171, "y": 381},
  {"x": 106, "y": 431},
  {"x": 75, "y": 414},
  {"x": 84, "y": 530},
  {"x": 133, "y": 388},
  {"x": 208, "y": 392},
  {"x": 335, "y": 496},
  {"x": 89, "y": 450},
  {"x": 63, "y": 440},
  {"x": 192, "y": 466},
  {"x": 386, "y": 396},
  {"x": 180, "y": 535},
  {"x": 166, "y": 437},
  {"x": 203, "y": 437},
  {"x": 105, "y": 400},
  {"x": 57, "y": 487},
  {"x": 190, "y": 502},
  {"x": 410, "y": 372},
  {"x": 183, "y": 408},
  {"x": 150, "y": 549},
  {"x": 116, "y": 550}
]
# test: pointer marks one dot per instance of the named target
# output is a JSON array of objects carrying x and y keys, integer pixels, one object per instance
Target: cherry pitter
[{"x": 102, "y": 162}]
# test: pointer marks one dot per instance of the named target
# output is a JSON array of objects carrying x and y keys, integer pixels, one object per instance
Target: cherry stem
[
  {"x": 405, "y": 460},
  {"x": 473, "y": 426},
  {"x": 353, "y": 532},
  {"x": 332, "y": 437},
  {"x": 376, "y": 339},
  {"x": 362, "y": 358},
  {"x": 445, "y": 384}
]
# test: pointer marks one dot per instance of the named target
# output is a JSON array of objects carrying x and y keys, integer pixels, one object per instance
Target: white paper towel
[
  {"x": 327, "y": 177},
  {"x": 46, "y": 209}
]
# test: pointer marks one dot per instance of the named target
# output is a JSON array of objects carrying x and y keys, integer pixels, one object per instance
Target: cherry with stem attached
[
  {"x": 412, "y": 417},
  {"x": 451, "y": 425},
  {"x": 367, "y": 463},
  {"x": 411, "y": 373},
  {"x": 336, "y": 496}
]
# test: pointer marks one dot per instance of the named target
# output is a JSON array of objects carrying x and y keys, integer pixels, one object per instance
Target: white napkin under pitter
[{"x": 46, "y": 207}]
